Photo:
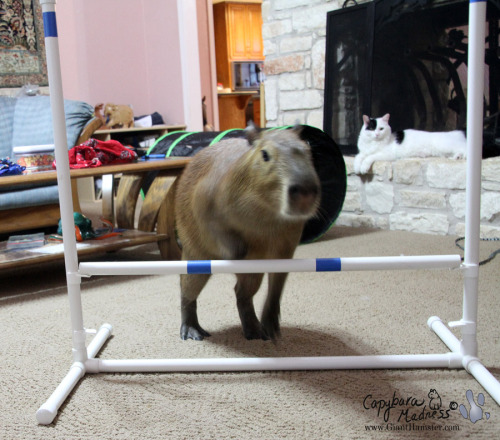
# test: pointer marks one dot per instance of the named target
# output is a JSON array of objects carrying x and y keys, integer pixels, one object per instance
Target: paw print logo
[
  {"x": 435, "y": 400},
  {"x": 476, "y": 412}
]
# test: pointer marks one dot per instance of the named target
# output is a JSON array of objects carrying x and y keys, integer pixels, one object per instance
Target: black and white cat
[{"x": 377, "y": 142}]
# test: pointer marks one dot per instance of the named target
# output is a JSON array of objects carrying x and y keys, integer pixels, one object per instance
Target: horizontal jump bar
[
  {"x": 447, "y": 360},
  {"x": 270, "y": 266}
]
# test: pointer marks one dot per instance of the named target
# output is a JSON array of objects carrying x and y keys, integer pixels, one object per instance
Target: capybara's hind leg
[
  {"x": 191, "y": 286},
  {"x": 246, "y": 287}
]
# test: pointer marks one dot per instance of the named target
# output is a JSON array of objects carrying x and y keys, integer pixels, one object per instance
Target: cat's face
[{"x": 376, "y": 129}]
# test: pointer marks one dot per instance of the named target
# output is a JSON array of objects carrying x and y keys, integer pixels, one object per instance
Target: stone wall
[
  {"x": 420, "y": 195},
  {"x": 294, "y": 33}
]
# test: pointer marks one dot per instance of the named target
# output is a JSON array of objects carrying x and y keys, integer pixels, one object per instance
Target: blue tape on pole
[
  {"x": 49, "y": 24},
  {"x": 199, "y": 267},
  {"x": 477, "y": 1},
  {"x": 328, "y": 265}
]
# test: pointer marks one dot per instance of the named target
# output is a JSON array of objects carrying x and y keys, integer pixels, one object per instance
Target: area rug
[
  {"x": 329, "y": 314},
  {"x": 22, "y": 46}
]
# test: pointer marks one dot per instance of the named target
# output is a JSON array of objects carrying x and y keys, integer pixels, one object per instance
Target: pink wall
[{"x": 125, "y": 55}]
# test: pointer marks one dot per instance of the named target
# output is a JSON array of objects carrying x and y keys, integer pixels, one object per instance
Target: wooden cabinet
[
  {"x": 238, "y": 36},
  {"x": 232, "y": 110},
  {"x": 236, "y": 23},
  {"x": 244, "y": 25},
  {"x": 237, "y": 108},
  {"x": 255, "y": 49}
]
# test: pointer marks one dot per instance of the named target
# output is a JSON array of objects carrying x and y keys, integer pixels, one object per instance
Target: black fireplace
[{"x": 409, "y": 59}]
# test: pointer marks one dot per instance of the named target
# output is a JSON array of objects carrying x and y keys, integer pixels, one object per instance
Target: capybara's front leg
[
  {"x": 191, "y": 286},
  {"x": 246, "y": 287},
  {"x": 271, "y": 312}
]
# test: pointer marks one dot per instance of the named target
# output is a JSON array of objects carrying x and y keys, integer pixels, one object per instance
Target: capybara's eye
[{"x": 265, "y": 156}]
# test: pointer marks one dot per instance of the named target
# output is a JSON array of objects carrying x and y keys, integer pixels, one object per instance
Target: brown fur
[
  {"x": 235, "y": 202},
  {"x": 119, "y": 116}
]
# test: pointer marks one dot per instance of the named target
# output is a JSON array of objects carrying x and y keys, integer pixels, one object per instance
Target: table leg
[
  {"x": 108, "y": 197},
  {"x": 126, "y": 199},
  {"x": 169, "y": 249}
]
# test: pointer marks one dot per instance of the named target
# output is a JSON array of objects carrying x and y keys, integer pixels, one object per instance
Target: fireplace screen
[{"x": 409, "y": 59}]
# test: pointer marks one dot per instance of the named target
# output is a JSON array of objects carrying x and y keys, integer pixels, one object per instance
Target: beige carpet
[{"x": 348, "y": 313}]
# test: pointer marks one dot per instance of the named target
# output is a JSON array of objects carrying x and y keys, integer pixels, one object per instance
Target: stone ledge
[{"x": 424, "y": 195}]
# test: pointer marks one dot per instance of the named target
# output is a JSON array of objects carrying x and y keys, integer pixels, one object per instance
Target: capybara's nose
[
  {"x": 303, "y": 190},
  {"x": 303, "y": 198}
]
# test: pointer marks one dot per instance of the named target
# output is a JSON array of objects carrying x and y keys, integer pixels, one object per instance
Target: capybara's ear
[
  {"x": 251, "y": 133},
  {"x": 297, "y": 129}
]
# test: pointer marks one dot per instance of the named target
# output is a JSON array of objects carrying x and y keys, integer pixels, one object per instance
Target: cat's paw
[
  {"x": 365, "y": 167},
  {"x": 356, "y": 164},
  {"x": 458, "y": 156}
]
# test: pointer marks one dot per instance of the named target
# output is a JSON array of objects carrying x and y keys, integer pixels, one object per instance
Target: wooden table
[
  {"x": 156, "y": 218},
  {"x": 173, "y": 164}
]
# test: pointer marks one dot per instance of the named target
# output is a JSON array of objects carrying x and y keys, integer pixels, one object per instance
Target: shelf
[
  {"x": 10, "y": 259},
  {"x": 155, "y": 211},
  {"x": 155, "y": 130}
]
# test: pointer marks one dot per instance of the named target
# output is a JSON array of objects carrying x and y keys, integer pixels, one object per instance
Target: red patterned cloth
[{"x": 95, "y": 153}]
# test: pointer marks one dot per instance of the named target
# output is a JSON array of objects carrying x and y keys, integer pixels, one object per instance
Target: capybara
[{"x": 245, "y": 199}]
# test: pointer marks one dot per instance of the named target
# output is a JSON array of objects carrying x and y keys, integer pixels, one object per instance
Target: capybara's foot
[
  {"x": 255, "y": 332},
  {"x": 193, "y": 332},
  {"x": 271, "y": 325},
  {"x": 252, "y": 328}
]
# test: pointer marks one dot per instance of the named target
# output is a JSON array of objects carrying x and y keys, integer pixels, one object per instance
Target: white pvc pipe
[
  {"x": 99, "y": 340},
  {"x": 401, "y": 263},
  {"x": 60, "y": 137},
  {"x": 444, "y": 333},
  {"x": 475, "y": 90},
  {"x": 447, "y": 360},
  {"x": 63, "y": 177},
  {"x": 484, "y": 377},
  {"x": 270, "y": 266},
  {"x": 48, "y": 411}
]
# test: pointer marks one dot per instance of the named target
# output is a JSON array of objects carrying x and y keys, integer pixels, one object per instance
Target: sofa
[{"x": 27, "y": 121}]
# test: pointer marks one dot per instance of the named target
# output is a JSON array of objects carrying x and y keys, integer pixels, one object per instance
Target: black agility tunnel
[{"x": 327, "y": 157}]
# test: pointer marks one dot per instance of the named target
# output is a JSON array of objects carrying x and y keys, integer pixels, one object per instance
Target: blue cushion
[
  {"x": 7, "y": 106},
  {"x": 33, "y": 121},
  {"x": 44, "y": 195}
]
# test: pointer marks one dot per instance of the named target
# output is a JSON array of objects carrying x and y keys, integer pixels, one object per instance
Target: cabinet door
[
  {"x": 244, "y": 24},
  {"x": 237, "y": 18},
  {"x": 254, "y": 48}
]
